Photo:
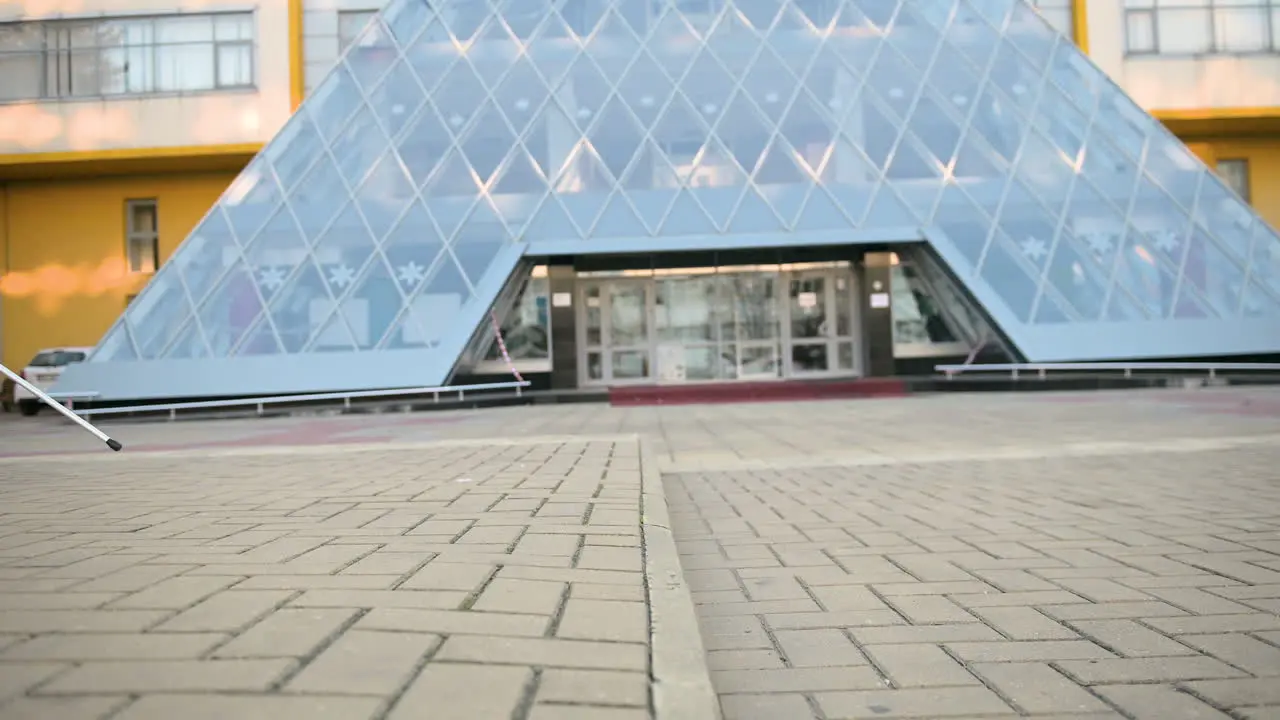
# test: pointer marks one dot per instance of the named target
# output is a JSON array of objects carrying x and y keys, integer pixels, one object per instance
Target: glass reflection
[
  {"x": 1077, "y": 278},
  {"x": 755, "y": 307},
  {"x": 964, "y": 316},
  {"x": 807, "y": 302},
  {"x": 527, "y": 328},
  {"x": 810, "y": 357},
  {"x": 630, "y": 364},
  {"x": 808, "y": 307},
  {"x": 1265, "y": 262},
  {"x": 230, "y": 310},
  {"x": 156, "y": 316},
  {"x": 628, "y": 315},
  {"x": 1215, "y": 277},
  {"x": 721, "y": 324},
  {"x": 685, "y": 309},
  {"x": 1007, "y": 271},
  {"x": 294, "y": 309},
  {"x": 595, "y": 366},
  {"x": 190, "y": 344},
  {"x": 1147, "y": 278},
  {"x": 594, "y": 316},
  {"x": 442, "y": 297},
  {"x": 917, "y": 317}
]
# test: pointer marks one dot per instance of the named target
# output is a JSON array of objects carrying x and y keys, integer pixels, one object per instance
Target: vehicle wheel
[{"x": 28, "y": 408}]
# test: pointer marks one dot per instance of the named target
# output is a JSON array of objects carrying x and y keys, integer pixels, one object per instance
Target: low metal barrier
[
  {"x": 261, "y": 403},
  {"x": 69, "y": 399},
  {"x": 1041, "y": 370}
]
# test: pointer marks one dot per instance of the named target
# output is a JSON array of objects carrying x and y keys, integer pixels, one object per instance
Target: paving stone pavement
[
  {"x": 466, "y": 581},
  {"x": 1048, "y": 555},
  {"x": 1116, "y": 585}
]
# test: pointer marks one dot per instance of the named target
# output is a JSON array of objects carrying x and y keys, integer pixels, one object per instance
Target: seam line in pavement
[{"x": 681, "y": 682}]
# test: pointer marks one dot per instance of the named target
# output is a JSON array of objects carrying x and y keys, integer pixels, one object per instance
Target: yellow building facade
[
  {"x": 66, "y": 276},
  {"x": 103, "y": 175}
]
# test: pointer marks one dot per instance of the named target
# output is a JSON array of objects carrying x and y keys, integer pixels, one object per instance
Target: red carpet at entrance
[{"x": 737, "y": 392}]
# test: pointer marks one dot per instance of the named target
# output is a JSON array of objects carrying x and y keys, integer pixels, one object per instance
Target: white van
[{"x": 43, "y": 371}]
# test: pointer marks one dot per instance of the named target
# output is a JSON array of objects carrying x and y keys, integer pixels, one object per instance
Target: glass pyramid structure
[{"x": 366, "y": 243}]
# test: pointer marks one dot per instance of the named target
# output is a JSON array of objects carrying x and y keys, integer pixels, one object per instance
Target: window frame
[
  {"x": 1246, "y": 175},
  {"x": 1153, "y": 9},
  {"x": 55, "y": 48},
  {"x": 135, "y": 238}
]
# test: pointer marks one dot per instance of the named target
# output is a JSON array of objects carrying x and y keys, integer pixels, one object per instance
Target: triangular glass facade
[{"x": 457, "y": 135}]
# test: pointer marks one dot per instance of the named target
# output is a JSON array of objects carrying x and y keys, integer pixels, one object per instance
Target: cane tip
[{"x": 114, "y": 445}]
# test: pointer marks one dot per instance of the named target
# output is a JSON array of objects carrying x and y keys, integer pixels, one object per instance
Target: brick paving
[
  {"x": 1124, "y": 584},
  {"x": 465, "y": 581},
  {"x": 1059, "y": 555}
]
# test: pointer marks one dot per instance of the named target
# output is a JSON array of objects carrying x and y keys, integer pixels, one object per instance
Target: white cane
[{"x": 113, "y": 444}]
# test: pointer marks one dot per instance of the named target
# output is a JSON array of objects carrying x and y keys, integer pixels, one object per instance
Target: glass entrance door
[
  {"x": 616, "y": 332},
  {"x": 820, "y": 323},
  {"x": 750, "y": 324},
  {"x": 754, "y": 322},
  {"x": 628, "y": 349},
  {"x": 688, "y": 345},
  {"x": 809, "y": 312}
]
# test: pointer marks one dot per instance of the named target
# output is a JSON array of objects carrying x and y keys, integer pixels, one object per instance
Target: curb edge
[{"x": 679, "y": 677}]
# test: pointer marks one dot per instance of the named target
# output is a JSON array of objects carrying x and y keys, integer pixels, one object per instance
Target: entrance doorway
[
  {"x": 615, "y": 321},
  {"x": 820, "y": 314},
  {"x": 718, "y": 324}
]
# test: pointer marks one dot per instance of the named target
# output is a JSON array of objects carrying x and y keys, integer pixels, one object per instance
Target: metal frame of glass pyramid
[{"x": 365, "y": 244}]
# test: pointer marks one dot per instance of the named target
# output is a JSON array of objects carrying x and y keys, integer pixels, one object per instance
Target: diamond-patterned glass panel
[
  {"x": 303, "y": 295},
  {"x": 158, "y": 316},
  {"x": 189, "y": 345},
  {"x": 1013, "y": 275},
  {"x": 451, "y": 131},
  {"x": 231, "y": 310},
  {"x": 373, "y": 304},
  {"x": 1075, "y": 278}
]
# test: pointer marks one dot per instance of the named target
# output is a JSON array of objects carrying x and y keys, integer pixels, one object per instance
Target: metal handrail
[
  {"x": 1041, "y": 369},
  {"x": 346, "y": 398}
]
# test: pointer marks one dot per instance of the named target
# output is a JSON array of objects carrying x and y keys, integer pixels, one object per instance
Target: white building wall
[
  {"x": 155, "y": 121},
  {"x": 1172, "y": 83}
]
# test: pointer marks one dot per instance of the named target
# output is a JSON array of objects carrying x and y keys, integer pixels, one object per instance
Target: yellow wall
[
  {"x": 66, "y": 280},
  {"x": 1263, "y": 155}
]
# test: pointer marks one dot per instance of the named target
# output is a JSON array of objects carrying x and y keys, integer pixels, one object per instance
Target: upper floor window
[
  {"x": 126, "y": 56},
  {"x": 350, "y": 24},
  {"x": 142, "y": 235},
  {"x": 1235, "y": 173},
  {"x": 1201, "y": 27}
]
